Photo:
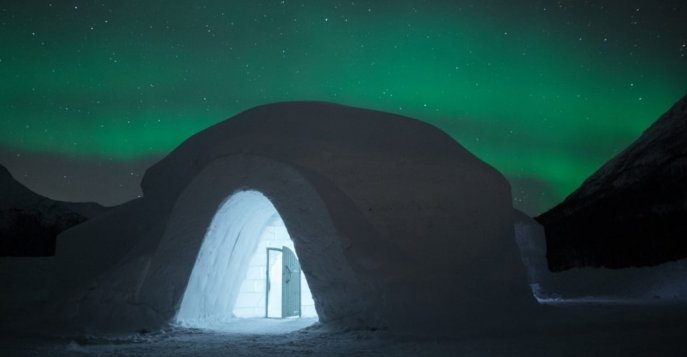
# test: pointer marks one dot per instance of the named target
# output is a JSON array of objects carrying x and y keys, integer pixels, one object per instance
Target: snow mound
[
  {"x": 395, "y": 224},
  {"x": 665, "y": 283}
]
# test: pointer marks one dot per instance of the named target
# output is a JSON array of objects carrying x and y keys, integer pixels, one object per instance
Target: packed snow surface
[{"x": 623, "y": 332}]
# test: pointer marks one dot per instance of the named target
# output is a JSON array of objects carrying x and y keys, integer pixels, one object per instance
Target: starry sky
[{"x": 94, "y": 92}]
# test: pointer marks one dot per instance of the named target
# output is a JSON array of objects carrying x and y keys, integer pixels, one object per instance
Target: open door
[{"x": 291, "y": 284}]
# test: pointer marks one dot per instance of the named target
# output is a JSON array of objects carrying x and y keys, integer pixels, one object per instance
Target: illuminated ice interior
[{"x": 228, "y": 280}]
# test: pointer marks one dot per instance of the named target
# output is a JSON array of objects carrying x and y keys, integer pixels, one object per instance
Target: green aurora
[{"x": 538, "y": 93}]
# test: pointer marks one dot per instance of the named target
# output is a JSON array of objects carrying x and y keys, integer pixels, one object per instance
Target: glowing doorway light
[
  {"x": 228, "y": 278},
  {"x": 253, "y": 291}
]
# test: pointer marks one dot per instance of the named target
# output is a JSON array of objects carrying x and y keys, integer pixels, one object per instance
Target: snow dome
[{"x": 394, "y": 223}]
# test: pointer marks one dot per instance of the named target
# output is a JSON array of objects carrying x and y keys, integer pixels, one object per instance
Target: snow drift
[
  {"x": 665, "y": 283},
  {"x": 396, "y": 225}
]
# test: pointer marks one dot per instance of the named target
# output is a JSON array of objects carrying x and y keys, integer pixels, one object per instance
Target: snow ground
[{"x": 590, "y": 330}]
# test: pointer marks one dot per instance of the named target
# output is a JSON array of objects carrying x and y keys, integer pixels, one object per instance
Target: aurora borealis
[{"x": 545, "y": 91}]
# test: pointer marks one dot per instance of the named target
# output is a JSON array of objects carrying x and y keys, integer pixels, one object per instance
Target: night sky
[{"x": 93, "y": 92}]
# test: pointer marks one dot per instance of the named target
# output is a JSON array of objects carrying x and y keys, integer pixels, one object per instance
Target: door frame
[{"x": 267, "y": 279}]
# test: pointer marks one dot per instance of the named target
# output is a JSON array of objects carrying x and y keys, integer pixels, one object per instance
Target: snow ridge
[{"x": 631, "y": 211}]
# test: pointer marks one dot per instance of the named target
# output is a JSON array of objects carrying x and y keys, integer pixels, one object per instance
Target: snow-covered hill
[
  {"x": 29, "y": 222},
  {"x": 632, "y": 211}
]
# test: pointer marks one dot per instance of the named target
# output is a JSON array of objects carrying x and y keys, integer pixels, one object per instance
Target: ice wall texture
[
  {"x": 396, "y": 225},
  {"x": 223, "y": 259},
  {"x": 631, "y": 212}
]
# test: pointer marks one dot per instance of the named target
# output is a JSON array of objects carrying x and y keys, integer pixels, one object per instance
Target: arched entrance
[
  {"x": 298, "y": 196},
  {"x": 232, "y": 278}
]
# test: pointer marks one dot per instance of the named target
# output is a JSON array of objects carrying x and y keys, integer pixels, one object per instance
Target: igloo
[{"x": 395, "y": 225}]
